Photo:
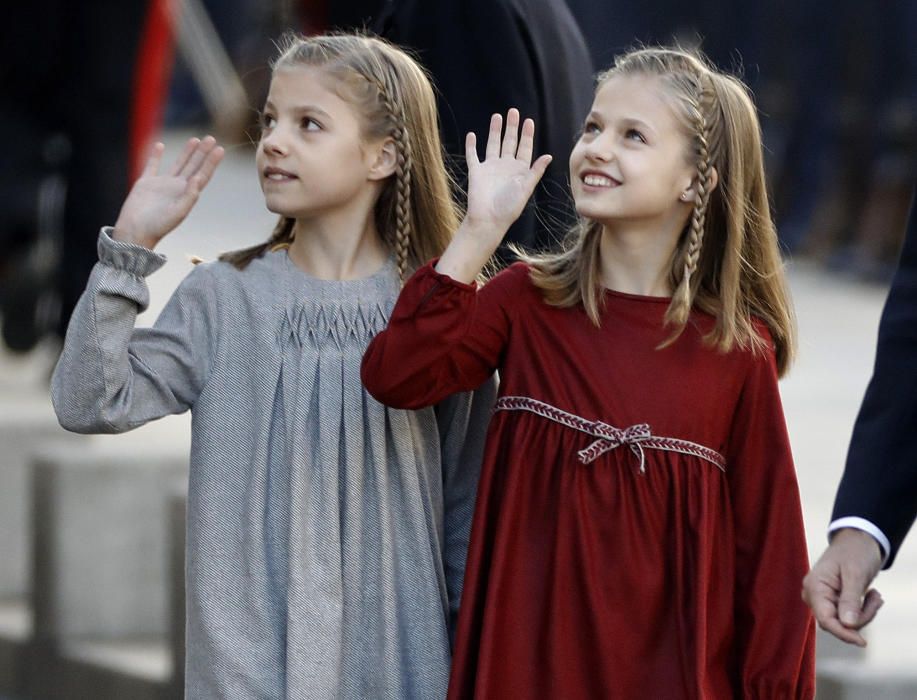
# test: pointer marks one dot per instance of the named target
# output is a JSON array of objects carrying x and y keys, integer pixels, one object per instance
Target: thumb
[
  {"x": 536, "y": 172},
  {"x": 850, "y": 602}
]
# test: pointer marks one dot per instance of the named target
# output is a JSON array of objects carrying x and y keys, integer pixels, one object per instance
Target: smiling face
[
  {"x": 632, "y": 161},
  {"x": 312, "y": 158}
]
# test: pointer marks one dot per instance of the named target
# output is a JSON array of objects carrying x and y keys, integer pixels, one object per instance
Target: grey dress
[{"x": 326, "y": 532}]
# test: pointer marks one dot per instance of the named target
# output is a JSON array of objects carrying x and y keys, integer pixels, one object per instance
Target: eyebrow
[
  {"x": 626, "y": 121},
  {"x": 302, "y": 109}
]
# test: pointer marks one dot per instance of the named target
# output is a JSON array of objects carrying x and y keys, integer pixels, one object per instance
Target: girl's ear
[
  {"x": 386, "y": 160},
  {"x": 690, "y": 194}
]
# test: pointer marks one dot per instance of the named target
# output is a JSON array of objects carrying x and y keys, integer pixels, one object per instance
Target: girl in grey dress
[{"x": 326, "y": 532}]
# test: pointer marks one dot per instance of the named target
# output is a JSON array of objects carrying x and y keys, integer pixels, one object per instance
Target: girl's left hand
[
  {"x": 500, "y": 186},
  {"x": 158, "y": 202},
  {"x": 498, "y": 189}
]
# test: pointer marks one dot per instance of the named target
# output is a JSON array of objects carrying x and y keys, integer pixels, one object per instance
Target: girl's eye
[
  {"x": 267, "y": 121},
  {"x": 310, "y": 124},
  {"x": 634, "y": 134},
  {"x": 591, "y": 128}
]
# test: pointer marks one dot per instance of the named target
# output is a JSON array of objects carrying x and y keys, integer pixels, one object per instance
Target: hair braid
[
  {"x": 727, "y": 262},
  {"x": 403, "y": 168},
  {"x": 703, "y": 116},
  {"x": 396, "y": 104}
]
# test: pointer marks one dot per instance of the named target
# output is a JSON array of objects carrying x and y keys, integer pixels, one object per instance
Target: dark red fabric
[
  {"x": 590, "y": 581},
  {"x": 151, "y": 82}
]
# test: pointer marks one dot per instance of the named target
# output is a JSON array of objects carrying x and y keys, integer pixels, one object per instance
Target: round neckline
[
  {"x": 297, "y": 272},
  {"x": 637, "y": 297}
]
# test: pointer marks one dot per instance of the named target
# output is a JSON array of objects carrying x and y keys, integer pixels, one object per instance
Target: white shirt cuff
[{"x": 862, "y": 524}]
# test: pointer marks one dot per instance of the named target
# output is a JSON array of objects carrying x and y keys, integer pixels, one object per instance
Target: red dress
[{"x": 638, "y": 531}]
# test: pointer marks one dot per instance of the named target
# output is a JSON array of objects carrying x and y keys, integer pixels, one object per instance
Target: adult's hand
[{"x": 837, "y": 588}]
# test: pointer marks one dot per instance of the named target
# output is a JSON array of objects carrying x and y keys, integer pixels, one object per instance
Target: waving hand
[
  {"x": 498, "y": 189},
  {"x": 157, "y": 203}
]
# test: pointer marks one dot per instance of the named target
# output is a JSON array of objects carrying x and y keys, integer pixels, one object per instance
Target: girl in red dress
[{"x": 638, "y": 531}]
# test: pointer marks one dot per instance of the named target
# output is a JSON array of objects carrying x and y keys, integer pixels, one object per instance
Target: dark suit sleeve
[{"x": 880, "y": 478}]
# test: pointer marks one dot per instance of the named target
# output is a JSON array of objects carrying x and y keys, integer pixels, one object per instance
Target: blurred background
[{"x": 91, "y": 528}]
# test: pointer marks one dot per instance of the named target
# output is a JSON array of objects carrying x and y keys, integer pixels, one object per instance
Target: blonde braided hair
[
  {"x": 702, "y": 114},
  {"x": 395, "y": 99},
  {"x": 403, "y": 166},
  {"x": 727, "y": 262}
]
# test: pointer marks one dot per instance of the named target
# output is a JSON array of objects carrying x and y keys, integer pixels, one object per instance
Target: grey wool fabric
[{"x": 326, "y": 532}]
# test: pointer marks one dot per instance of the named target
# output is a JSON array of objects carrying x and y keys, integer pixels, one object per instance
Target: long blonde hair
[
  {"x": 415, "y": 213},
  {"x": 727, "y": 262}
]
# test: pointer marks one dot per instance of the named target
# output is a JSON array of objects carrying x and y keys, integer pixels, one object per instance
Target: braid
[
  {"x": 703, "y": 110},
  {"x": 403, "y": 169},
  {"x": 403, "y": 224}
]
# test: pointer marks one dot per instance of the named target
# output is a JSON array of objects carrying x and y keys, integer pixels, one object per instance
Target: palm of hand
[
  {"x": 498, "y": 190},
  {"x": 500, "y": 186},
  {"x": 158, "y": 203}
]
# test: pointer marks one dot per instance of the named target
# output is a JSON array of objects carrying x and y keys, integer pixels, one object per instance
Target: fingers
[
  {"x": 835, "y": 589},
  {"x": 209, "y": 165},
  {"x": 871, "y": 605},
  {"x": 822, "y": 598},
  {"x": 850, "y": 601},
  {"x": 185, "y": 156},
  {"x": 471, "y": 150},
  {"x": 539, "y": 167},
  {"x": 856, "y": 610},
  {"x": 198, "y": 157},
  {"x": 830, "y": 623},
  {"x": 198, "y": 181},
  {"x": 511, "y": 135},
  {"x": 152, "y": 165},
  {"x": 493, "y": 137},
  {"x": 513, "y": 144},
  {"x": 526, "y": 142}
]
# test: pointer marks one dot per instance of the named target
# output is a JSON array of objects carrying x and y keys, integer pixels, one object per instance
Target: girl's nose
[
  {"x": 600, "y": 151},
  {"x": 273, "y": 142}
]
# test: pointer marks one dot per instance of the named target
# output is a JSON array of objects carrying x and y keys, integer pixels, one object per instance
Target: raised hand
[
  {"x": 158, "y": 203},
  {"x": 498, "y": 188}
]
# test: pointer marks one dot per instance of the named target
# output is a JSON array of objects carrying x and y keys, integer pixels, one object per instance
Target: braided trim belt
[{"x": 636, "y": 437}]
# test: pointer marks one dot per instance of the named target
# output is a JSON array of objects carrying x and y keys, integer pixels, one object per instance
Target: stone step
[
  {"x": 101, "y": 536},
  {"x": 26, "y": 420},
  {"x": 147, "y": 659}
]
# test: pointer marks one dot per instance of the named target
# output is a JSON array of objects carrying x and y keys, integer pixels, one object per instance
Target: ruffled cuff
[
  {"x": 427, "y": 285},
  {"x": 436, "y": 306},
  {"x": 131, "y": 258}
]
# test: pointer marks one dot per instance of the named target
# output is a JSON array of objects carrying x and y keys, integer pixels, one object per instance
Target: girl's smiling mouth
[
  {"x": 278, "y": 175},
  {"x": 598, "y": 179}
]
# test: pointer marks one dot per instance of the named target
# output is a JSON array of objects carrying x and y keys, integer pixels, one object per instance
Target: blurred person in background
[
  {"x": 76, "y": 113},
  {"x": 849, "y": 166},
  {"x": 486, "y": 56}
]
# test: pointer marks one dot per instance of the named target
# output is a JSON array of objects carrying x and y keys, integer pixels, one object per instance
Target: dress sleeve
[
  {"x": 444, "y": 336},
  {"x": 112, "y": 377},
  {"x": 463, "y": 420},
  {"x": 775, "y": 634}
]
